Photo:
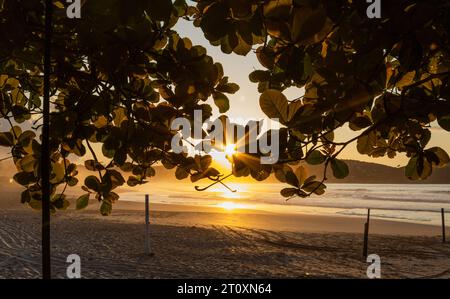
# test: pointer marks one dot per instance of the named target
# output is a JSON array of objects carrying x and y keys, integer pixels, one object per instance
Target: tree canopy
[
  {"x": 121, "y": 74},
  {"x": 386, "y": 78}
]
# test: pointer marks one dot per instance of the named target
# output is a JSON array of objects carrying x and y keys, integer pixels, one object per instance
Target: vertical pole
[
  {"x": 366, "y": 235},
  {"x": 443, "y": 224},
  {"x": 45, "y": 156},
  {"x": 147, "y": 223}
]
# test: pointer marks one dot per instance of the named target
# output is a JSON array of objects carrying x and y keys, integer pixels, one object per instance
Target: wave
[
  {"x": 385, "y": 216},
  {"x": 416, "y": 200}
]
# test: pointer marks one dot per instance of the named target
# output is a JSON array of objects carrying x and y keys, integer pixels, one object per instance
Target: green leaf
[
  {"x": 364, "y": 145},
  {"x": 93, "y": 183},
  {"x": 411, "y": 169},
  {"x": 106, "y": 208},
  {"x": 28, "y": 163},
  {"x": 92, "y": 165},
  {"x": 307, "y": 66},
  {"x": 25, "y": 196},
  {"x": 289, "y": 192},
  {"x": 24, "y": 178},
  {"x": 26, "y": 137},
  {"x": 72, "y": 181},
  {"x": 314, "y": 186},
  {"x": 242, "y": 48},
  {"x": 292, "y": 179},
  {"x": 418, "y": 168},
  {"x": 222, "y": 102},
  {"x": 16, "y": 131},
  {"x": 310, "y": 179},
  {"x": 6, "y": 139},
  {"x": 360, "y": 123},
  {"x": 58, "y": 172},
  {"x": 240, "y": 9},
  {"x": 309, "y": 26},
  {"x": 82, "y": 201},
  {"x": 133, "y": 181},
  {"x": 340, "y": 169},
  {"x": 213, "y": 21},
  {"x": 35, "y": 204},
  {"x": 150, "y": 171},
  {"x": 442, "y": 155},
  {"x": 302, "y": 174},
  {"x": 259, "y": 76},
  {"x": 315, "y": 158},
  {"x": 60, "y": 202},
  {"x": 231, "y": 88},
  {"x": 274, "y": 104},
  {"x": 111, "y": 197},
  {"x": 181, "y": 173},
  {"x": 115, "y": 178},
  {"x": 160, "y": 10},
  {"x": 444, "y": 122},
  {"x": 180, "y": 7}
]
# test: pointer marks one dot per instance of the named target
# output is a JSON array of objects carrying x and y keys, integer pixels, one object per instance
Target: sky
[{"x": 245, "y": 103}]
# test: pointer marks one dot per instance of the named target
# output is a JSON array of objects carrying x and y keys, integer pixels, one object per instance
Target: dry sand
[{"x": 193, "y": 242}]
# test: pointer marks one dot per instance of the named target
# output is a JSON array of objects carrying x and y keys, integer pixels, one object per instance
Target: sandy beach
[{"x": 195, "y": 242}]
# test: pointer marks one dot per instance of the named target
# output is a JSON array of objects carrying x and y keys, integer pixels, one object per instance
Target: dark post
[
  {"x": 443, "y": 224},
  {"x": 45, "y": 157},
  {"x": 147, "y": 223},
  {"x": 366, "y": 235}
]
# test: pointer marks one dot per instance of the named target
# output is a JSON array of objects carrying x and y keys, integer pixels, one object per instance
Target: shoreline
[
  {"x": 190, "y": 215},
  {"x": 189, "y": 242},
  {"x": 296, "y": 222}
]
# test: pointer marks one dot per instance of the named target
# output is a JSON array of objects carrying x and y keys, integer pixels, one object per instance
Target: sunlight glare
[
  {"x": 228, "y": 205},
  {"x": 230, "y": 149}
]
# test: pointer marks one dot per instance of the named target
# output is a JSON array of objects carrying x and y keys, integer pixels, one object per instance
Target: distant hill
[
  {"x": 360, "y": 173},
  {"x": 372, "y": 173}
]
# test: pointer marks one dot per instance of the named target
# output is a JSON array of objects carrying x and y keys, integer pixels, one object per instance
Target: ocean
[{"x": 406, "y": 203}]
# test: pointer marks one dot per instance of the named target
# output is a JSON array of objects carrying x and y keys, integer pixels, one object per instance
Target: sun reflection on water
[{"x": 230, "y": 206}]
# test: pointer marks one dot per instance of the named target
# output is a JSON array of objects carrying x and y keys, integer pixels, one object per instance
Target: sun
[
  {"x": 230, "y": 149},
  {"x": 223, "y": 154}
]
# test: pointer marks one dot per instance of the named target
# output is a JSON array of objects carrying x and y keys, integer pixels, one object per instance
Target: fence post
[
  {"x": 443, "y": 224},
  {"x": 366, "y": 235},
  {"x": 147, "y": 223}
]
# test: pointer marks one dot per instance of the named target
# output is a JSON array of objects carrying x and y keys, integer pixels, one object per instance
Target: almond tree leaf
[
  {"x": 289, "y": 192},
  {"x": 444, "y": 122},
  {"x": 340, "y": 169},
  {"x": 302, "y": 174},
  {"x": 92, "y": 182},
  {"x": 411, "y": 169},
  {"x": 315, "y": 158},
  {"x": 442, "y": 155},
  {"x": 274, "y": 104},
  {"x": 222, "y": 102},
  {"x": 6, "y": 139},
  {"x": 292, "y": 179},
  {"x": 106, "y": 208},
  {"x": 82, "y": 201}
]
